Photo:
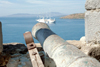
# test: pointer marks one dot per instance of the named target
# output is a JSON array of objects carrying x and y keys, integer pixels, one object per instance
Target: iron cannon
[{"x": 63, "y": 53}]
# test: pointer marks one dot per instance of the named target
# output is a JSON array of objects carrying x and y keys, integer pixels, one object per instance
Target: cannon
[
  {"x": 1, "y": 47},
  {"x": 63, "y": 53}
]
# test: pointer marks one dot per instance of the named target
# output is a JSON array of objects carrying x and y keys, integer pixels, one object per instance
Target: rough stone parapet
[
  {"x": 90, "y": 50},
  {"x": 92, "y": 27},
  {"x": 92, "y": 22},
  {"x": 92, "y": 4}
]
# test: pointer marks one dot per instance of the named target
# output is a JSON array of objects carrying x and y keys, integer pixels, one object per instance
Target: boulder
[
  {"x": 14, "y": 48},
  {"x": 11, "y": 51},
  {"x": 83, "y": 40}
]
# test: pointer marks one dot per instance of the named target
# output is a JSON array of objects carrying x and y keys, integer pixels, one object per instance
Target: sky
[{"x": 9, "y": 7}]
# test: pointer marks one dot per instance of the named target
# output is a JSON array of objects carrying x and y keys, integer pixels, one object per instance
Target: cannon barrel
[
  {"x": 63, "y": 53},
  {"x": 1, "y": 47}
]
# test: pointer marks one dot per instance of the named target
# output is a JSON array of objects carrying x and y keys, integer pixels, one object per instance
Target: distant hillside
[
  {"x": 74, "y": 16},
  {"x": 22, "y": 15},
  {"x": 50, "y": 14}
]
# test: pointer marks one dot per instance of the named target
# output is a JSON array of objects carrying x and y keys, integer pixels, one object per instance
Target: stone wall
[{"x": 92, "y": 21}]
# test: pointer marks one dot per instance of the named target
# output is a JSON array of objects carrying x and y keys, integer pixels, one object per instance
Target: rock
[
  {"x": 15, "y": 55},
  {"x": 88, "y": 49},
  {"x": 13, "y": 48},
  {"x": 23, "y": 59},
  {"x": 19, "y": 60},
  {"x": 13, "y": 62},
  {"x": 92, "y": 50},
  {"x": 4, "y": 59},
  {"x": 13, "y": 51},
  {"x": 76, "y": 43},
  {"x": 27, "y": 55},
  {"x": 83, "y": 40},
  {"x": 28, "y": 64}
]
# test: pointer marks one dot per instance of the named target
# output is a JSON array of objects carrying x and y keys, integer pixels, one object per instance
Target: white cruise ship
[{"x": 49, "y": 20}]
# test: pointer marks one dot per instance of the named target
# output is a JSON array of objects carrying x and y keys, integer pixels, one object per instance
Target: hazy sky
[{"x": 8, "y": 7}]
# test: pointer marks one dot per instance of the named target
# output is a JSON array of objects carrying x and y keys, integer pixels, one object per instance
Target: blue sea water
[{"x": 13, "y": 28}]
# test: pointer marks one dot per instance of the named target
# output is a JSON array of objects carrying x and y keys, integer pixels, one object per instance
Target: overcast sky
[{"x": 8, "y": 7}]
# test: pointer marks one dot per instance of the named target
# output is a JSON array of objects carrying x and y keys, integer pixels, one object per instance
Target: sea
[{"x": 13, "y": 28}]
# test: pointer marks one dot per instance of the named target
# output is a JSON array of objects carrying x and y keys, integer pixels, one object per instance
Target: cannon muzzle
[{"x": 63, "y": 53}]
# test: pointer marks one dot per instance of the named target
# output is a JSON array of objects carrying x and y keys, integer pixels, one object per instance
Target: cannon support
[
  {"x": 34, "y": 55},
  {"x": 63, "y": 53},
  {"x": 1, "y": 47}
]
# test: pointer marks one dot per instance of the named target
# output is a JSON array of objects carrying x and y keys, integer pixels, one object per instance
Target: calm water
[{"x": 13, "y": 28}]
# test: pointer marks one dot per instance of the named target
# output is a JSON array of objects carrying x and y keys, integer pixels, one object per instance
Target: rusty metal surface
[
  {"x": 29, "y": 40},
  {"x": 63, "y": 53},
  {"x": 31, "y": 46},
  {"x": 28, "y": 37}
]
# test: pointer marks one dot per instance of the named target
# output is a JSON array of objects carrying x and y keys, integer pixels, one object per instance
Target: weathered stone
[
  {"x": 83, "y": 63},
  {"x": 18, "y": 54},
  {"x": 4, "y": 58},
  {"x": 76, "y": 43},
  {"x": 13, "y": 48},
  {"x": 28, "y": 64},
  {"x": 1, "y": 48},
  {"x": 13, "y": 62},
  {"x": 23, "y": 60},
  {"x": 83, "y": 40},
  {"x": 27, "y": 55},
  {"x": 92, "y": 27},
  {"x": 92, "y": 4},
  {"x": 20, "y": 61},
  {"x": 15, "y": 55},
  {"x": 92, "y": 50}
]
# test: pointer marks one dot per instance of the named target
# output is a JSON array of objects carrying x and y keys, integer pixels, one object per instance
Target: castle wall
[{"x": 92, "y": 21}]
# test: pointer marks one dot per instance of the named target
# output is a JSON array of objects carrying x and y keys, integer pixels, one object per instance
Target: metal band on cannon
[{"x": 63, "y": 54}]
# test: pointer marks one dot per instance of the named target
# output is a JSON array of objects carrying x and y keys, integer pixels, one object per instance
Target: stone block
[
  {"x": 92, "y": 27},
  {"x": 1, "y": 47},
  {"x": 92, "y": 4}
]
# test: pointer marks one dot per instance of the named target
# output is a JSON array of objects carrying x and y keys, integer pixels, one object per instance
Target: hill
[
  {"x": 50, "y": 14},
  {"x": 74, "y": 16}
]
